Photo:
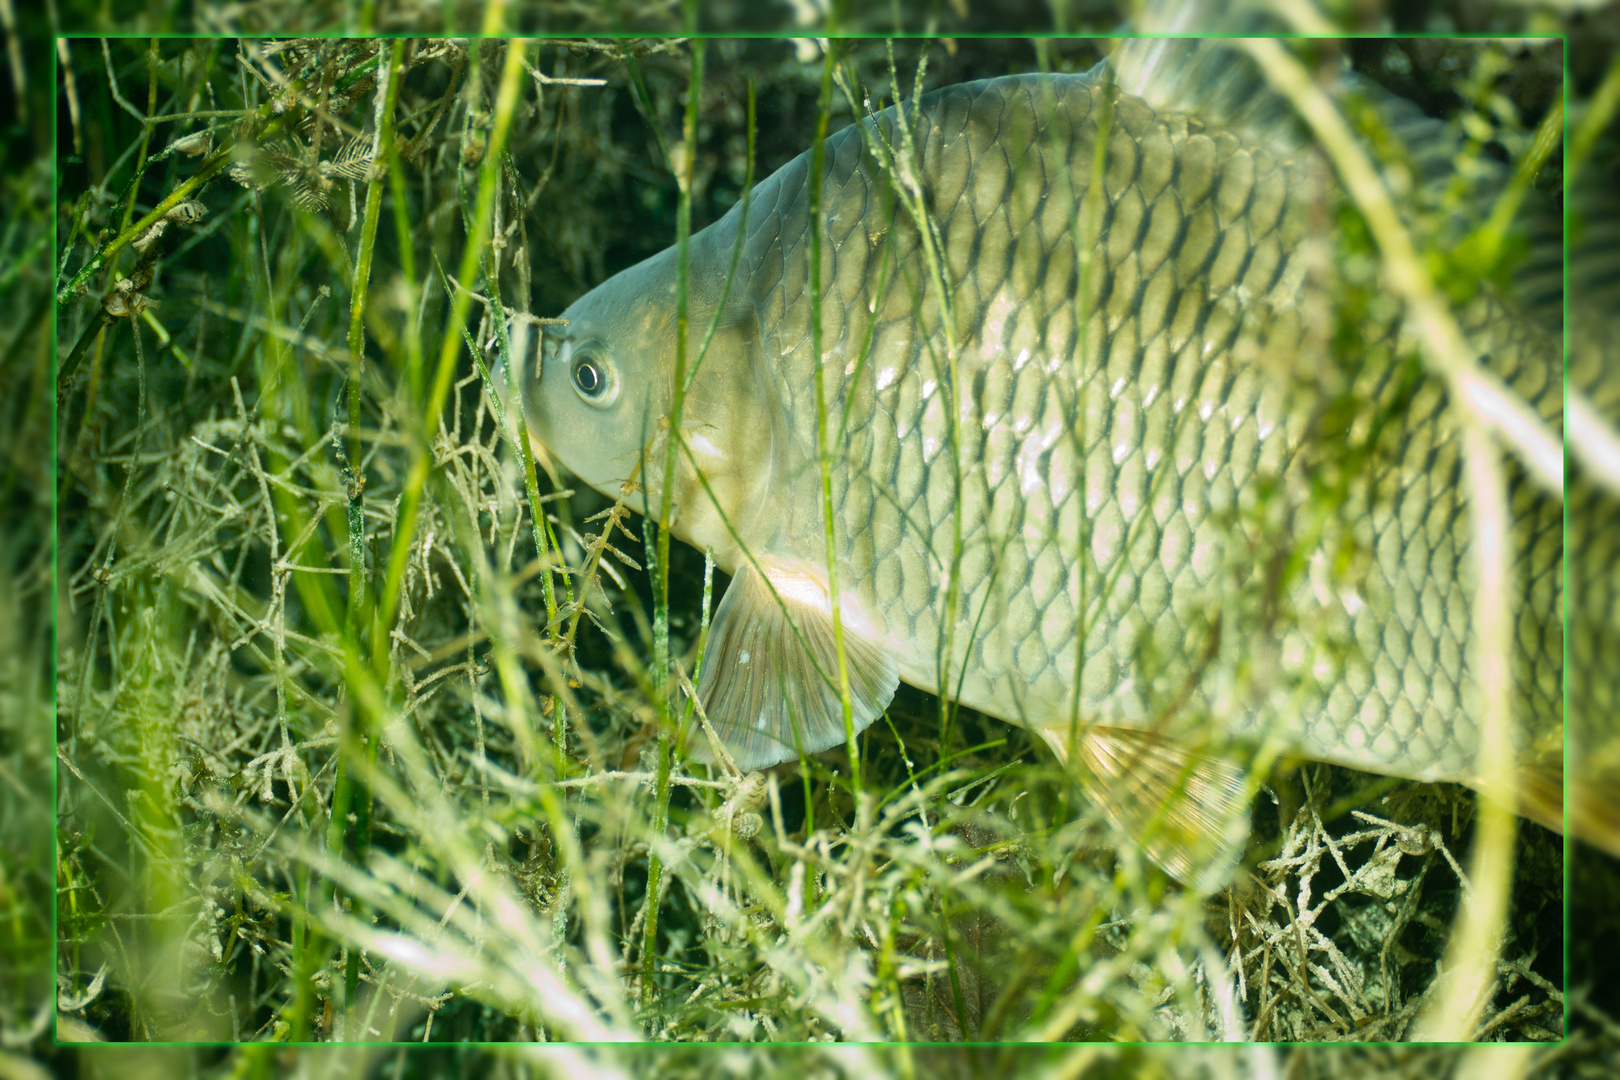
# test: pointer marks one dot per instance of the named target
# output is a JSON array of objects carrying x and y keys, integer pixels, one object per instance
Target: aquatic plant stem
[
  {"x": 460, "y": 305},
  {"x": 660, "y": 568},
  {"x": 823, "y": 435},
  {"x": 355, "y": 628}
]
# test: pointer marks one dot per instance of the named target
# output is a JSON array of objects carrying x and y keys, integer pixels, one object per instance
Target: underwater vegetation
[{"x": 370, "y": 728}]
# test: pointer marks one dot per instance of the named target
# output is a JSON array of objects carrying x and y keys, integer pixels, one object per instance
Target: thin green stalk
[
  {"x": 1477, "y": 255},
  {"x": 304, "y": 961},
  {"x": 823, "y": 437},
  {"x": 354, "y": 623},
  {"x": 736, "y": 248},
  {"x": 100, "y": 321},
  {"x": 461, "y": 304},
  {"x": 950, "y": 966},
  {"x": 514, "y": 426},
  {"x": 146, "y": 128},
  {"x": 902, "y": 162},
  {"x": 1086, "y": 228},
  {"x": 885, "y": 214},
  {"x": 403, "y": 234},
  {"x": 531, "y": 485},
  {"x": 703, "y": 631},
  {"x": 543, "y": 546},
  {"x": 357, "y": 344},
  {"x": 1600, "y": 109},
  {"x": 660, "y": 568}
]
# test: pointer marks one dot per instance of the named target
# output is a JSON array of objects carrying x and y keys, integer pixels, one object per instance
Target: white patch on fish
[
  {"x": 1029, "y": 473},
  {"x": 798, "y": 586},
  {"x": 703, "y": 445}
]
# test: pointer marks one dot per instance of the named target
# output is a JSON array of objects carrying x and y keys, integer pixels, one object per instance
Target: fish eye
[
  {"x": 588, "y": 378},
  {"x": 593, "y": 377}
]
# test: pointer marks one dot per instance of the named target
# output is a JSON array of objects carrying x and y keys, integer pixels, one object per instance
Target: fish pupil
[{"x": 587, "y": 378}]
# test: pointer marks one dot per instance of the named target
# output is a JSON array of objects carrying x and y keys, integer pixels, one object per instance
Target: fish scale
[
  {"x": 1151, "y": 476},
  {"x": 1184, "y": 399}
]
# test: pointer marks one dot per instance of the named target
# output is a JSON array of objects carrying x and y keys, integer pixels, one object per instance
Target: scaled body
[{"x": 1120, "y": 483}]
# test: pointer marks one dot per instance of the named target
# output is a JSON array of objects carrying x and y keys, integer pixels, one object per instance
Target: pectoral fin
[
  {"x": 1187, "y": 810},
  {"x": 770, "y": 673}
]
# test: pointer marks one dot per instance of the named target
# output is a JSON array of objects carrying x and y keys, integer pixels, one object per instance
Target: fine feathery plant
[{"x": 368, "y": 724}]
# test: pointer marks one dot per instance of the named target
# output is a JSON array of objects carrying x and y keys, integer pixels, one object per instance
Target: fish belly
[{"x": 1131, "y": 459}]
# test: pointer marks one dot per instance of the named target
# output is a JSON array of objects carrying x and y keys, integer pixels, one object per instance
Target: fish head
[
  {"x": 597, "y": 389},
  {"x": 599, "y": 395}
]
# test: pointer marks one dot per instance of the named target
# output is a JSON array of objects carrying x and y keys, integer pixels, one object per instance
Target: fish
[{"x": 1070, "y": 448}]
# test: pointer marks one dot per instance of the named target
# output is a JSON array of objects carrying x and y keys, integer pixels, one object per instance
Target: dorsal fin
[{"x": 1212, "y": 80}]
